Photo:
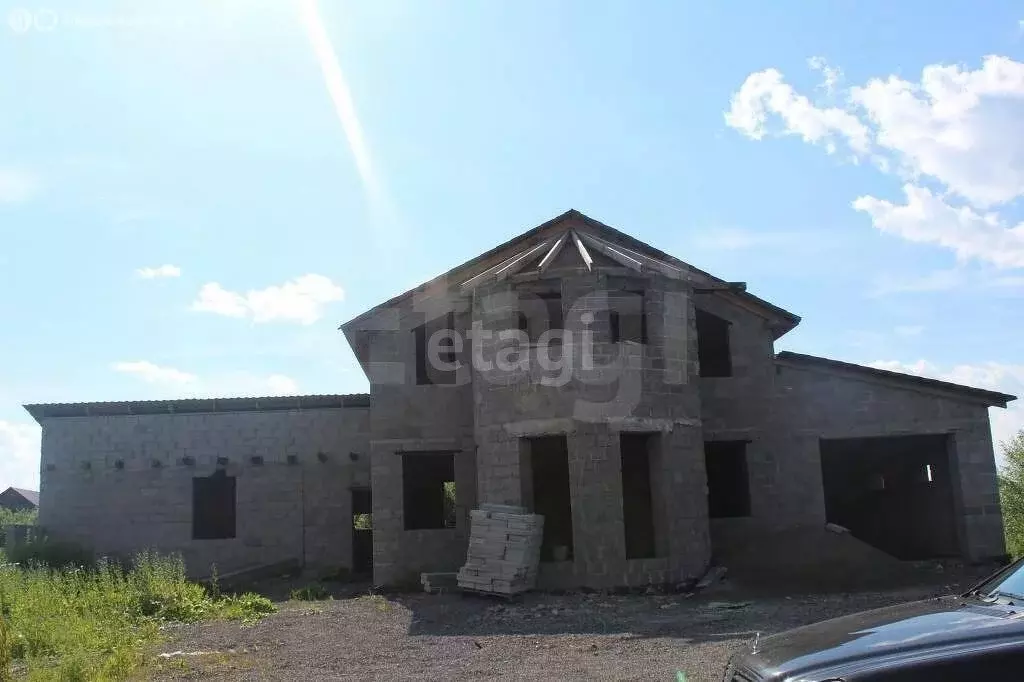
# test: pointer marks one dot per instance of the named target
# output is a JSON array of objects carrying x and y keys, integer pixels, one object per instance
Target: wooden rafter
[
  {"x": 584, "y": 254},
  {"x": 546, "y": 261}
]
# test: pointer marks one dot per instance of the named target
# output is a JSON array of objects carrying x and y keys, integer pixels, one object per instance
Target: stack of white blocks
[{"x": 504, "y": 550}]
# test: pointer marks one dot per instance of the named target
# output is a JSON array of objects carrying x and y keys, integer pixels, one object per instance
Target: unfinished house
[{"x": 634, "y": 401}]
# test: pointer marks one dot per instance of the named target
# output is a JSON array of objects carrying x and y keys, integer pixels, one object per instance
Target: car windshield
[{"x": 1007, "y": 583}]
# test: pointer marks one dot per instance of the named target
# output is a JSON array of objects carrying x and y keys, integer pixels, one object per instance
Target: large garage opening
[{"x": 894, "y": 493}]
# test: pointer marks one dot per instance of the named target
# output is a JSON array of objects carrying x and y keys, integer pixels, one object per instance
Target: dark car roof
[{"x": 886, "y": 636}]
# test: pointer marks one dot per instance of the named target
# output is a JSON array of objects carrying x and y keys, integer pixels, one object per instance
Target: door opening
[
  {"x": 362, "y": 531},
  {"x": 546, "y": 466}
]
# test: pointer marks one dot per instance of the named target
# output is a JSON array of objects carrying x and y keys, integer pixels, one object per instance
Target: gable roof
[
  {"x": 993, "y": 398},
  {"x": 539, "y": 246},
  {"x": 30, "y": 496}
]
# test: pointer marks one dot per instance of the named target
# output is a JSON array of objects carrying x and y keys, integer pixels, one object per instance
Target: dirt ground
[{"x": 358, "y": 635}]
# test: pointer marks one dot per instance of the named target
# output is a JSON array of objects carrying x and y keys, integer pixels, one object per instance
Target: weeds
[
  {"x": 248, "y": 608},
  {"x": 311, "y": 592},
  {"x": 378, "y": 602},
  {"x": 93, "y": 623}
]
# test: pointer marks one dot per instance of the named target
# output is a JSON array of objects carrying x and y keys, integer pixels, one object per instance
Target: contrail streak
[{"x": 341, "y": 96}]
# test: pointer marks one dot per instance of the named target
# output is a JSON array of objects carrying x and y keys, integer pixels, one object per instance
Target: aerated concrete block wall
[
  {"x": 812, "y": 404},
  {"x": 738, "y": 407},
  {"x": 118, "y": 484},
  {"x": 407, "y": 417},
  {"x": 648, "y": 388}
]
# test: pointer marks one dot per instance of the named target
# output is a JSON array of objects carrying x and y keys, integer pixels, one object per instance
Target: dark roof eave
[
  {"x": 43, "y": 411},
  {"x": 30, "y": 496},
  {"x": 789, "y": 320},
  {"x": 993, "y": 398}
]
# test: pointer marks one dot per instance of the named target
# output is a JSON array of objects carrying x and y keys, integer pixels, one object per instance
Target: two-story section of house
[
  {"x": 657, "y": 423},
  {"x": 634, "y": 401}
]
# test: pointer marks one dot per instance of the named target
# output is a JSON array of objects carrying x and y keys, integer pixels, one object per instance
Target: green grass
[
  {"x": 311, "y": 592},
  {"x": 95, "y": 623}
]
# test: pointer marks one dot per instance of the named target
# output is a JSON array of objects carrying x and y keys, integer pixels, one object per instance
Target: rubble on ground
[
  {"x": 713, "y": 575},
  {"x": 434, "y": 583}
]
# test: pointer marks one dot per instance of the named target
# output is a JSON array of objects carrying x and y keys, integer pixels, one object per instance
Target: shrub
[
  {"x": 21, "y": 518},
  {"x": 49, "y": 553},
  {"x": 311, "y": 592},
  {"x": 248, "y": 607}
]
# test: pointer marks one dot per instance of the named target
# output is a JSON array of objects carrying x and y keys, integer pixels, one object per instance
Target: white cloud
[
  {"x": 213, "y": 298},
  {"x": 235, "y": 384},
  {"x": 159, "y": 271},
  {"x": 957, "y": 128},
  {"x": 907, "y": 330},
  {"x": 961, "y": 127},
  {"x": 927, "y": 219},
  {"x": 831, "y": 75},
  {"x": 993, "y": 376},
  {"x": 17, "y": 185},
  {"x": 19, "y": 455},
  {"x": 301, "y": 300},
  {"x": 168, "y": 382},
  {"x": 765, "y": 94},
  {"x": 155, "y": 374},
  {"x": 282, "y": 385}
]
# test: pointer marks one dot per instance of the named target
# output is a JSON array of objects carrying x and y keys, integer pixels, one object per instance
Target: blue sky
[{"x": 193, "y": 195}]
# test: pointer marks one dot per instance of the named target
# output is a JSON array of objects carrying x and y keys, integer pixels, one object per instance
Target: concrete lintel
[
  {"x": 734, "y": 434},
  {"x": 566, "y": 425},
  {"x": 417, "y": 444},
  {"x": 541, "y": 427},
  {"x": 647, "y": 424},
  {"x": 942, "y": 429}
]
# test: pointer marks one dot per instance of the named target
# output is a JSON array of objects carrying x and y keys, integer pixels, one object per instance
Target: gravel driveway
[{"x": 450, "y": 636}]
